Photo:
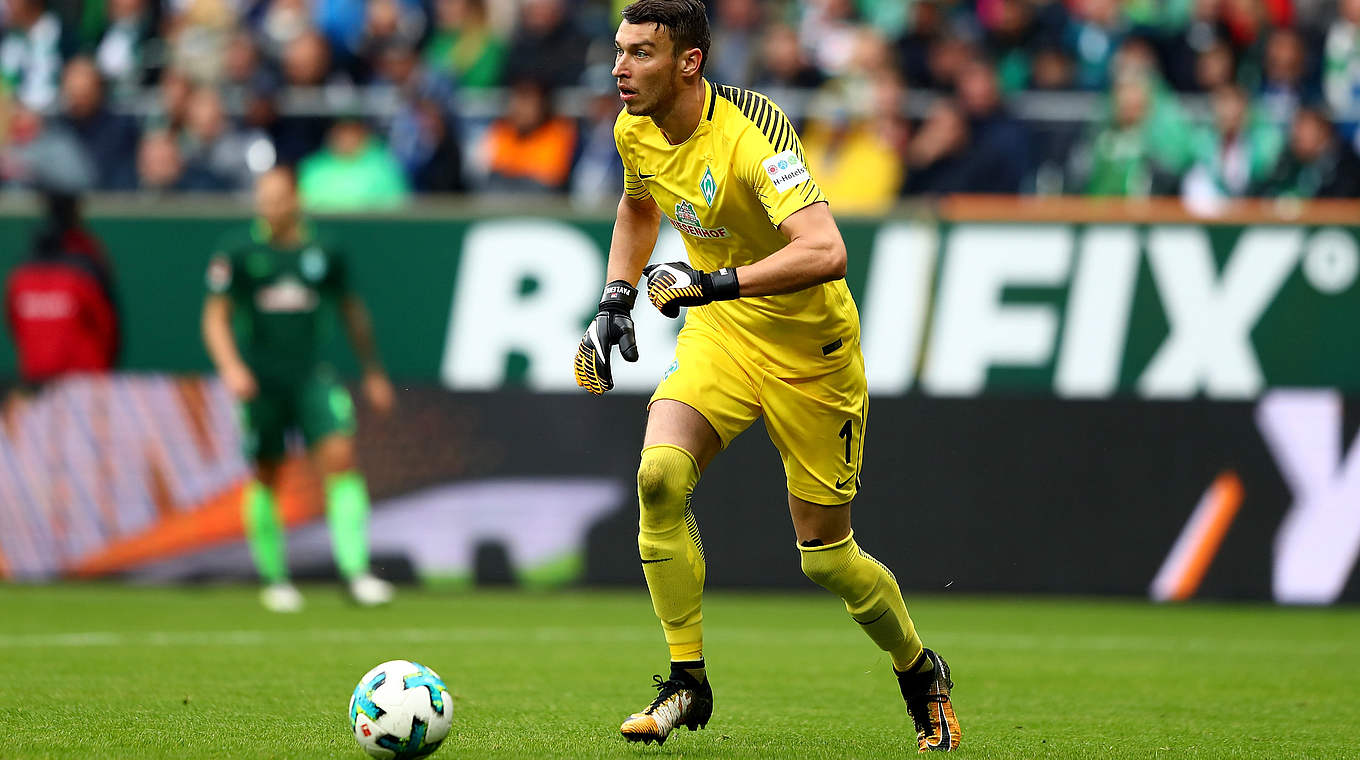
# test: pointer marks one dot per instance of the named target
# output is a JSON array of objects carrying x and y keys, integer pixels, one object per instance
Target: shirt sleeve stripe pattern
[{"x": 766, "y": 116}]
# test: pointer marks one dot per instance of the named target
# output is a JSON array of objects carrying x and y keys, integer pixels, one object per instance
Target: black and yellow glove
[
  {"x": 670, "y": 286},
  {"x": 613, "y": 326}
]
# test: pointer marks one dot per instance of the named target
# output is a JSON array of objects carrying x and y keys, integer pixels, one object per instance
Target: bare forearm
[
  {"x": 217, "y": 337},
  {"x": 815, "y": 254},
  {"x": 360, "y": 329},
  {"x": 635, "y": 232},
  {"x": 797, "y": 266}
]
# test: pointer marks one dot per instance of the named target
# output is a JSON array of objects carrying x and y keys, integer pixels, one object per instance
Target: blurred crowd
[{"x": 1207, "y": 99}]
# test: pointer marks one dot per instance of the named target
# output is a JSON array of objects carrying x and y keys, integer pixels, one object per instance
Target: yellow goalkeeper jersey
[{"x": 727, "y": 189}]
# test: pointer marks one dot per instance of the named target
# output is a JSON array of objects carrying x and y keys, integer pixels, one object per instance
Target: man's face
[
  {"x": 80, "y": 88},
  {"x": 646, "y": 68},
  {"x": 1309, "y": 136},
  {"x": 275, "y": 198}
]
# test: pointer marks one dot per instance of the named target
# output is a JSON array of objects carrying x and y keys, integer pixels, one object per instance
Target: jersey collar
[{"x": 261, "y": 234}]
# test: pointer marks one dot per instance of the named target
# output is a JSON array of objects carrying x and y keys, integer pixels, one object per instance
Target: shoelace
[
  {"x": 663, "y": 707},
  {"x": 919, "y": 707}
]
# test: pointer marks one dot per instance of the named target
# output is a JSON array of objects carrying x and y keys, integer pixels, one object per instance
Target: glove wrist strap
[
  {"x": 618, "y": 296},
  {"x": 723, "y": 285}
]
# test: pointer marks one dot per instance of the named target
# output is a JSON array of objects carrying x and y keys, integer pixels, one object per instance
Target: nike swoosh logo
[
  {"x": 646, "y": 176},
  {"x": 651, "y": 561},
  {"x": 871, "y": 622},
  {"x": 843, "y": 483}
]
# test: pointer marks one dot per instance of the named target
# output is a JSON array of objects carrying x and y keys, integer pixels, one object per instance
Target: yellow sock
[
  {"x": 870, "y": 593},
  {"x": 668, "y": 542}
]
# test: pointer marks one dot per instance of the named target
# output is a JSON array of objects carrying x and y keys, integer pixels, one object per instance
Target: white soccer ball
[{"x": 399, "y": 710}]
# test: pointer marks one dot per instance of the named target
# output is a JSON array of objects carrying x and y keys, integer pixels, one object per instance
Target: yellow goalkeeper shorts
[{"x": 817, "y": 423}]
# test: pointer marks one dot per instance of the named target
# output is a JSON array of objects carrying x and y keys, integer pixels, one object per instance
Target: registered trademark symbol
[{"x": 1330, "y": 260}]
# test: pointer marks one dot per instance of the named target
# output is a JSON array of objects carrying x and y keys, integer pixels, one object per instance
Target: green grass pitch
[{"x": 105, "y": 671}]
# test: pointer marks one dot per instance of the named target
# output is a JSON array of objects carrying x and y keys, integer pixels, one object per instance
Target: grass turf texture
[{"x": 103, "y": 671}]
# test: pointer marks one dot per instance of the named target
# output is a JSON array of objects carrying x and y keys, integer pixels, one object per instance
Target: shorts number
[{"x": 847, "y": 433}]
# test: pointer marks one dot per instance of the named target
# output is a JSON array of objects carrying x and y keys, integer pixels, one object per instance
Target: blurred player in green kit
[{"x": 268, "y": 310}]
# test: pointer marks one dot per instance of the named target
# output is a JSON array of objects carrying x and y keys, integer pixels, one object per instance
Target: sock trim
[
  {"x": 828, "y": 547},
  {"x": 680, "y": 449}
]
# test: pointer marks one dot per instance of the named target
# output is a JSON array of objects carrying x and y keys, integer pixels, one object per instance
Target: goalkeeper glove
[
  {"x": 613, "y": 326},
  {"x": 670, "y": 286}
]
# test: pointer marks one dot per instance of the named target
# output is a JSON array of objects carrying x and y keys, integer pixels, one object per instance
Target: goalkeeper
[
  {"x": 772, "y": 333},
  {"x": 270, "y": 297}
]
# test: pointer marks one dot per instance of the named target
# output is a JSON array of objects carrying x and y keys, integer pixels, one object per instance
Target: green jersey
[{"x": 283, "y": 302}]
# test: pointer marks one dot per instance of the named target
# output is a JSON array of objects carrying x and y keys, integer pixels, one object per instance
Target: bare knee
[{"x": 335, "y": 455}]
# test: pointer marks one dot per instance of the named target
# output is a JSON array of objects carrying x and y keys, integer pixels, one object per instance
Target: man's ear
[{"x": 690, "y": 61}]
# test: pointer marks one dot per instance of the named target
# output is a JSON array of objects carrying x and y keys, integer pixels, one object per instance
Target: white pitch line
[{"x": 595, "y": 634}]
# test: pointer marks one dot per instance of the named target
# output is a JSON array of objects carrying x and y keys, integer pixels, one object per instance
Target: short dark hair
[{"x": 686, "y": 21}]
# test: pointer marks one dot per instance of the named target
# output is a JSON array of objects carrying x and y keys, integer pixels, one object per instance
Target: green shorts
[{"x": 318, "y": 406}]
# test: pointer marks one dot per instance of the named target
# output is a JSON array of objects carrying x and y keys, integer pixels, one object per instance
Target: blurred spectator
[
  {"x": 1215, "y": 67},
  {"x": 173, "y": 102},
  {"x": 307, "y": 62},
  {"x": 59, "y": 315},
  {"x": 547, "y": 46},
  {"x": 783, "y": 62},
  {"x": 871, "y": 59},
  {"x": 464, "y": 45},
  {"x": 1051, "y": 69},
  {"x": 936, "y": 151},
  {"x": 31, "y": 52},
  {"x": 388, "y": 24},
  {"x": 215, "y": 155},
  {"x": 529, "y": 149},
  {"x": 124, "y": 49},
  {"x": 160, "y": 168},
  {"x": 1341, "y": 67},
  {"x": 289, "y": 138},
  {"x": 998, "y": 158},
  {"x": 597, "y": 177},
  {"x": 926, "y": 29},
  {"x": 1181, "y": 52},
  {"x": 240, "y": 61},
  {"x": 1095, "y": 30},
  {"x": 197, "y": 37},
  {"x": 887, "y": 17},
  {"x": 354, "y": 28},
  {"x": 1129, "y": 155},
  {"x": 1135, "y": 57},
  {"x": 1236, "y": 152},
  {"x": 341, "y": 21},
  {"x": 1158, "y": 16},
  {"x": 1315, "y": 164},
  {"x": 109, "y": 139},
  {"x": 736, "y": 42},
  {"x": 850, "y": 150},
  {"x": 353, "y": 172},
  {"x": 423, "y": 134},
  {"x": 286, "y": 20},
  {"x": 43, "y": 154},
  {"x": 829, "y": 30},
  {"x": 1010, "y": 38},
  {"x": 946, "y": 59},
  {"x": 1284, "y": 74}
]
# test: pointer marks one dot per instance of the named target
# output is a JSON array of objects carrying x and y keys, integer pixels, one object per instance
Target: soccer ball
[{"x": 399, "y": 710}]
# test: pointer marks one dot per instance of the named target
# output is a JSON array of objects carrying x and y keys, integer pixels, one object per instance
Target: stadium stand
[{"x": 1197, "y": 98}]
